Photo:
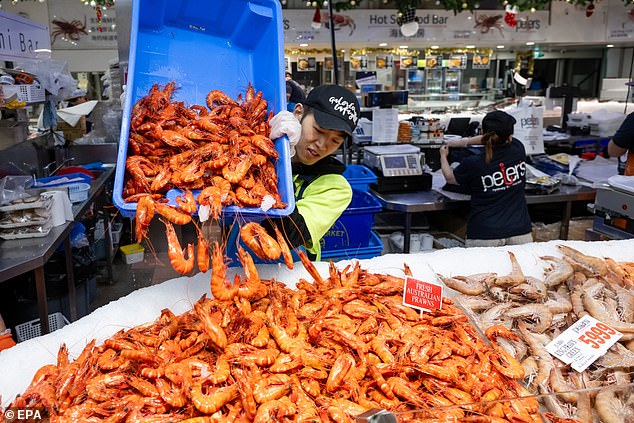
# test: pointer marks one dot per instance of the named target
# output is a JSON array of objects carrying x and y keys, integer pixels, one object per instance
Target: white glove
[{"x": 285, "y": 123}]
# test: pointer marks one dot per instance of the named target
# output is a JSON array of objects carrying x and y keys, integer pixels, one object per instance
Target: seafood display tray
[
  {"x": 242, "y": 41},
  {"x": 25, "y": 224},
  {"x": 26, "y": 206},
  {"x": 26, "y": 235}
]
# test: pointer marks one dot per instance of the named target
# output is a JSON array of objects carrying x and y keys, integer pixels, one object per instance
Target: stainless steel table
[
  {"x": 24, "y": 255},
  {"x": 431, "y": 201}
]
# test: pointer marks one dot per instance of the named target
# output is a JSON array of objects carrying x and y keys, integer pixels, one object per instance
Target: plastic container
[
  {"x": 205, "y": 46},
  {"x": 360, "y": 177},
  {"x": 32, "y": 329},
  {"x": 78, "y": 192},
  {"x": 117, "y": 229},
  {"x": 132, "y": 253},
  {"x": 61, "y": 180},
  {"x": 373, "y": 249},
  {"x": 352, "y": 230}
]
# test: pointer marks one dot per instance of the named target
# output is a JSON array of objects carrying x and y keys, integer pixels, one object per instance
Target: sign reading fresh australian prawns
[{"x": 422, "y": 295}]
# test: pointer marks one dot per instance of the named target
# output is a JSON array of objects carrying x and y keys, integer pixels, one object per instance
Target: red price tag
[
  {"x": 597, "y": 335},
  {"x": 422, "y": 295}
]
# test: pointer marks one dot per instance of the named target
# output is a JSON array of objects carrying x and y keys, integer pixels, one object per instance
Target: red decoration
[
  {"x": 509, "y": 16},
  {"x": 98, "y": 11},
  {"x": 589, "y": 10},
  {"x": 316, "y": 18}
]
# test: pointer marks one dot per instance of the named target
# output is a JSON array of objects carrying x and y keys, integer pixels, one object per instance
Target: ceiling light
[
  {"x": 530, "y": 43},
  {"x": 500, "y": 46},
  {"x": 404, "y": 47},
  {"x": 382, "y": 44},
  {"x": 434, "y": 47},
  {"x": 469, "y": 46},
  {"x": 303, "y": 45},
  {"x": 610, "y": 45}
]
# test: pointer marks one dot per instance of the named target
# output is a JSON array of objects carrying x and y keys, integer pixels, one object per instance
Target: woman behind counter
[{"x": 495, "y": 179}]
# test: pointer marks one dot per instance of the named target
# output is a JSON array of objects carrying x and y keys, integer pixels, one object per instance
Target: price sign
[
  {"x": 422, "y": 295},
  {"x": 583, "y": 342}
]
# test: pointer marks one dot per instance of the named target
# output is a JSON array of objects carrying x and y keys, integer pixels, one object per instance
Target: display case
[
  {"x": 452, "y": 82},
  {"x": 434, "y": 81},
  {"x": 416, "y": 81}
]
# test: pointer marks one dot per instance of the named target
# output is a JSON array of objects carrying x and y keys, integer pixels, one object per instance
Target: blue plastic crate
[
  {"x": 204, "y": 46},
  {"x": 352, "y": 230},
  {"x": 360, "y": 177},
  {"x": 373, "y": 249}
]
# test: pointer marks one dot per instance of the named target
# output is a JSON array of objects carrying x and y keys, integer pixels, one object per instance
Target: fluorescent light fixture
[
  {"x": 610, "y": 45},
  {"x": 382, "y": 44},
  {"x": 530, "y": 43},
  {"x": 434, "y": 47},
  {"x": 469, "y": 46},
  {"x": 303, "y": 45},
  {"x": 402, "y": 46},
  {"x": 500, "y": 46}
]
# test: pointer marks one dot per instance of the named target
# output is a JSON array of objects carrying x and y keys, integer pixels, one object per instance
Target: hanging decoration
[
  {"x": 99, "y": 6},
  {"x": 525, "y": 60},
  {"x": 98, "y": 11},
  {"x": 316, "y": 23},
  {"x": 509, "y": 15},
  {"x": 589, "y": 10},
  {"x": 450, "y": 51}
]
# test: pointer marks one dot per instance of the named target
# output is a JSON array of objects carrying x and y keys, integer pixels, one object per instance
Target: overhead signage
[
  {"x": 379, "y": 25},
  {"x": 20, "y": 37}
]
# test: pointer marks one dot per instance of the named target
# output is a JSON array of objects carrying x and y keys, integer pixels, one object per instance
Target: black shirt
[
  {"x": 624, "y": 136},
  {"x": 498, "y": 205}
]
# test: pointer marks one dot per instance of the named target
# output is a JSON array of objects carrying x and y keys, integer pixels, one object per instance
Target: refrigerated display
[
  {"x": 452, "y": 83},
  {"x": 416, "y": 81},
  {"x": 434, "y": 81}
]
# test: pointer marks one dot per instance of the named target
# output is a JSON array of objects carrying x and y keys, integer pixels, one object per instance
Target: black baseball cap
[
  {"x": 334, "y": 108},
  {"x": 499, "y": 122}
]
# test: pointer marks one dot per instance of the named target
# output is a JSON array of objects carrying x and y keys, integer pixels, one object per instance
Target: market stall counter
[
  {"x": 24, "y": 255},
  {"x": 19, "y": 364},
  {"x": 431, "y": 201}
]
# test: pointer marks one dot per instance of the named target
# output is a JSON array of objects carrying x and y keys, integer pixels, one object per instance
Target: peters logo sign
[
  {"x": 530, "y": 122},
  {"x": 503, "y": 178}
]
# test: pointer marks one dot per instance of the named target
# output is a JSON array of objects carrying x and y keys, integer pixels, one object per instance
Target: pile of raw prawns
[
  {"x": 327, "y": 351},
  {"x": 221, "y": 151}
]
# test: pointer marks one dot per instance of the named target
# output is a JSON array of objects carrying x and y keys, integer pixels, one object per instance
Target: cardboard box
[{"x": 71, "y": 133}]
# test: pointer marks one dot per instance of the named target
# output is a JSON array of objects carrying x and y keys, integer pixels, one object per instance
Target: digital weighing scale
[{"x": 398, "y": 168}]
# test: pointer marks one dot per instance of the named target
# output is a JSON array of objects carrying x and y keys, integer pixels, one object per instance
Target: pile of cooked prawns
[
  {"x": 327, "y": 351},
  {"x": 222, "y": 151}
]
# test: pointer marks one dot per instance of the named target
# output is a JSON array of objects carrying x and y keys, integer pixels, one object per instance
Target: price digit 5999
[{"x": 597, "y": 334}]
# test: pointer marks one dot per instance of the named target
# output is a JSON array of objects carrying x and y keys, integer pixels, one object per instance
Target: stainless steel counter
[
  {"x": 431, "y": 201},
  {"x": 24, "y": 255}
]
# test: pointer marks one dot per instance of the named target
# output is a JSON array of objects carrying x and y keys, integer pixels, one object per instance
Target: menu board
[
  {"x": 409, "y": 62},
  {"x": 457, "y": 61},
  {"x": 481, "y": 61},
  {"x": 383, "y": 62},
  {"x": 306, "y": 64},
  {"x": 433, "y": 62},
  {"x": 359, "y": 62}
]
